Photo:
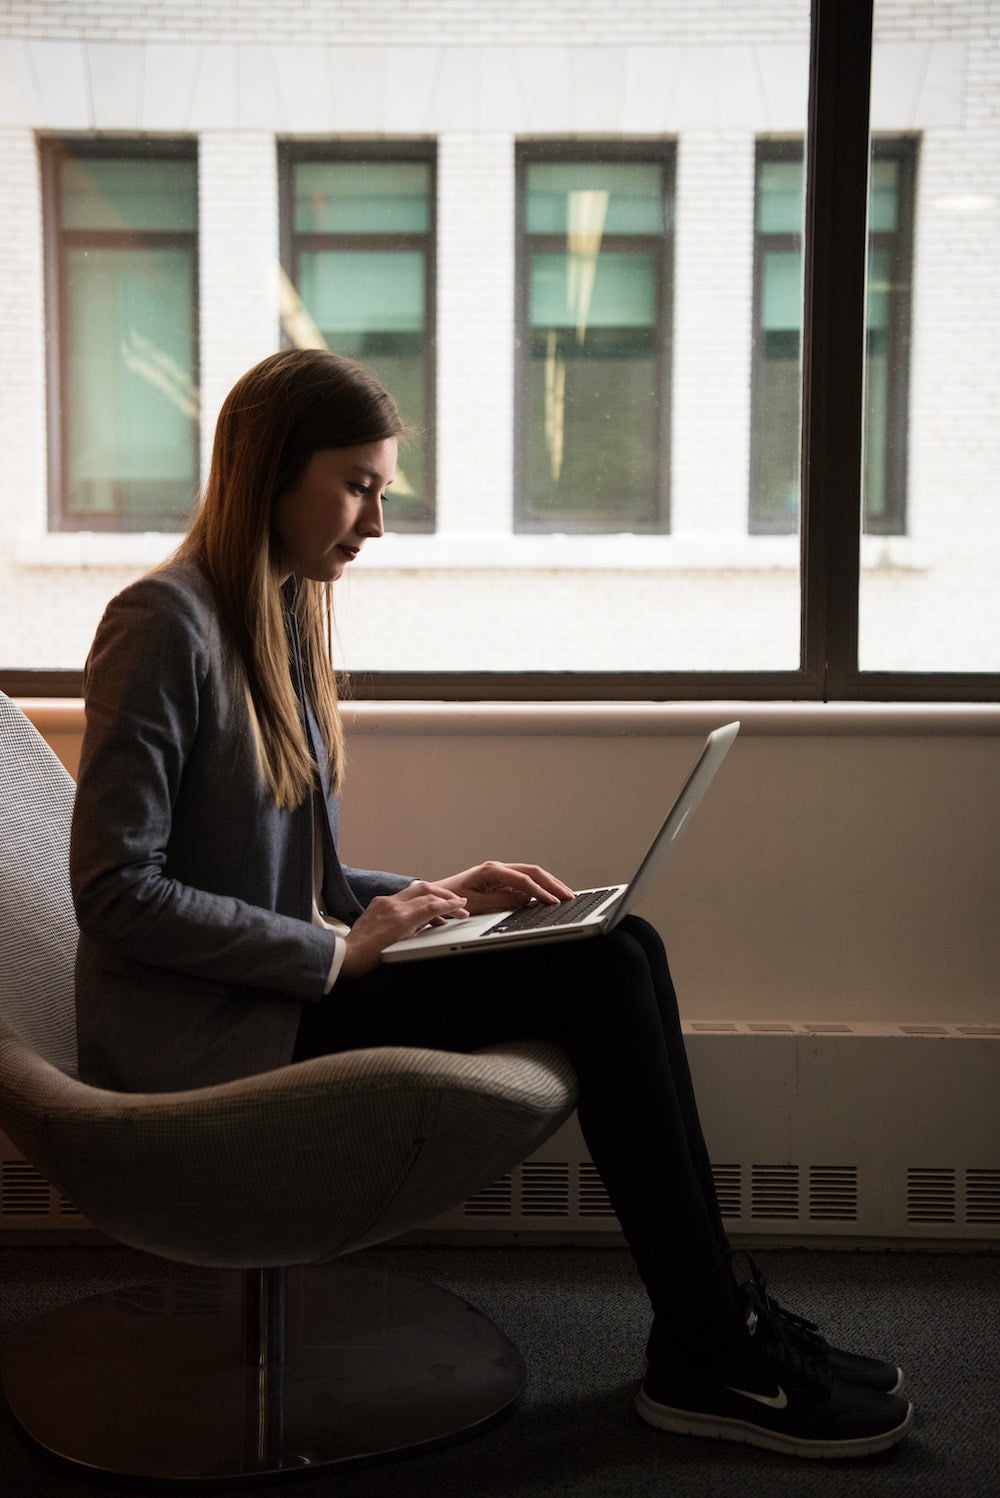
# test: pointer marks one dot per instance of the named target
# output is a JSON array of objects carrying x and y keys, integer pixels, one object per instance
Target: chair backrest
[{"x": 37, "y": 927}]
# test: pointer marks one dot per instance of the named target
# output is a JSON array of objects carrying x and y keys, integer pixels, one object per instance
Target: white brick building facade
[{"x": 476, "y": 78}]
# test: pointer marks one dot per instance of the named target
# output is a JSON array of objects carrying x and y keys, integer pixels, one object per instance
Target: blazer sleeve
[
  {"x": 367, "y": 883},
  {"x": 151, "y": 675}
]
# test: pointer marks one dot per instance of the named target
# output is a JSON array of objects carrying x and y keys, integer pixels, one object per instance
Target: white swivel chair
[{"x": 283, "y": 1356}]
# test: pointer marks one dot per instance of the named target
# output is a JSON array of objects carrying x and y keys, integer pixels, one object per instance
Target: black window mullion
[{"x": 833, "y": 340}]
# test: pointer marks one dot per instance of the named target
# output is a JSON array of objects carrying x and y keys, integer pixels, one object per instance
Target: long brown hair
[{"x": 287, "y": 407}]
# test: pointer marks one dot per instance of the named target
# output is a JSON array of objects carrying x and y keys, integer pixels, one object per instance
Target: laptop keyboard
[{"x": 531, "y": 917}]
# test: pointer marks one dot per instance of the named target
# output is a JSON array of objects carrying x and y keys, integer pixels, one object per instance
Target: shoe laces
[
  {"x": 795, "y": 1359},
  {"x": 800, "y": 1327},
  {"x": 790, "y": 1345}
]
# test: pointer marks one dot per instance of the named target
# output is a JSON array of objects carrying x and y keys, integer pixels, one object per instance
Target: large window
[
  {"x": 122, "y": 292},
  {"x": 696, "y": 324},
  {"x": 595, "y": 313},
  {"x": 359, "y": 252},
  {"x": 777, "y": 372}
]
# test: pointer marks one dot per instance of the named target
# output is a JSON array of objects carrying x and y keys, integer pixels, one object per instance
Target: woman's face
[{"x": 323, "y": 521}]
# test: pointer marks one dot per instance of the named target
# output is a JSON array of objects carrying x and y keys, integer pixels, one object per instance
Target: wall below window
[{"x": 843, "y": 868}]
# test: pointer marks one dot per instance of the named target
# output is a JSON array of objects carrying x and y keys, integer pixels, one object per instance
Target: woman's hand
[
  {"x": 391, "y": 918},
  {"x": 504, "y": 886}
]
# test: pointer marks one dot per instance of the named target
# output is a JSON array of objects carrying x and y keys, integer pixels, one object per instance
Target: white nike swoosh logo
[{"x": 774, "y": 1401}]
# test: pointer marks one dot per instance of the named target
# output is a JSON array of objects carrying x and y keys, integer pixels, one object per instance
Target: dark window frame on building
[
  {"x": 294, "y": 243},
  {"x": 897, "y": 246},
  {"x": 661, "y": 152},
  {"x": 60, "y": 241}
]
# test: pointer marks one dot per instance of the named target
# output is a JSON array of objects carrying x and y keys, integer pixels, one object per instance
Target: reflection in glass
[
  {"x": 125, "y": 246},
  {"x": 774, "y": 496},
  {"x": 593, "y": 383},
  {"x": 362, "y": 265}
]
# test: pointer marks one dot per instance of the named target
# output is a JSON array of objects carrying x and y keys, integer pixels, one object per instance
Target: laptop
[{"x": 591, "y": 912}]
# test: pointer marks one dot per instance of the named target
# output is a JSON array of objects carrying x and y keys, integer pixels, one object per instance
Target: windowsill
[
  {"x": 623, "y": 720},
  {"x": 500, "y": 551},
  {"x": 93, "y": 549}
]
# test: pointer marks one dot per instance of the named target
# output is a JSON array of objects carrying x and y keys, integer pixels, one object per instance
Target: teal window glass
[
  {"x": 129, "y": 196},
  {"x": 591, "y": 428},
  {"x": 779, "y": 197},
  {"x": 360, "y": 295},
  {"x": 625, "y": 197},
  {"x": 130, "y": 356},
  {"x": 352, "y": 197},
  {"x": 778, "y": 386},
  {"x": 776, "y": 395},
  {"x": 125, "y": 253},
  {"x": 361, "y": 260}
]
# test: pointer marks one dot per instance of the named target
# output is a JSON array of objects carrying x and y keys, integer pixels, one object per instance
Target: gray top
[{"x": 193, "y": 891}]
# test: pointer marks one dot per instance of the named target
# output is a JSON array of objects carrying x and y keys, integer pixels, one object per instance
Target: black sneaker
[
  {"x": 774, "y": 1396},
  {"x": 855, "y": 1367}
]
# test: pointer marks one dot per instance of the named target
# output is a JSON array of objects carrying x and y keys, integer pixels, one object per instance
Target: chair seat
[{"x": 292, "y": 1166}]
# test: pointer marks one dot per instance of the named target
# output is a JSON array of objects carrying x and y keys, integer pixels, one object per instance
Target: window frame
[
  {"x": 292, "y": 151},
  {"x": 902, "y": 148},
  {"x": 662, "y": 152},
  {"x": 53, "y": 150}
]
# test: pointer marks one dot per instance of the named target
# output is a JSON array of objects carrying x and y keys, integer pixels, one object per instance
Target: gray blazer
[{"x": 193, "y": 891}]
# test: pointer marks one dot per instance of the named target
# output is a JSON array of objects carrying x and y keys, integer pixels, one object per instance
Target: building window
[
  {"x": 358, "y": 254},
  {"x": 594, "y": 291},
  {"x": 774, "y": 486},
  {"x": 122, "y": 232}
]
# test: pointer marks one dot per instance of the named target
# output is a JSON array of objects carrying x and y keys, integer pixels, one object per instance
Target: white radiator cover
[{"x": 815, "y": 1131}]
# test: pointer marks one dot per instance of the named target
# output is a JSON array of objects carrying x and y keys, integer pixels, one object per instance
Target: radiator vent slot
[
  {"x": 930, "y": 1195},
  {"x": 496, "y": 1200},
  {"x": 833, "y": 1193},
  {"x": 729, "y": 1189},
  {"x": 774, "y": 1192},
  {"x": 545, "y": 1188},
  {"x": 594, "y": 1200},
  {"x": 23, "y": 1191},
  {"x": 982, "y": 1196}
]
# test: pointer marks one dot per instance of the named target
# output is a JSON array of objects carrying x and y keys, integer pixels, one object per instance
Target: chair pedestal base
[{"x": 165, "y": 1384}]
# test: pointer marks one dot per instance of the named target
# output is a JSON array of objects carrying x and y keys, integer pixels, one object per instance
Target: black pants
[{"x": 609, "y": 1002}]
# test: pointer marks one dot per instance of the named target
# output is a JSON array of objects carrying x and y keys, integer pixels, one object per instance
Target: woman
[{"x": 220, "y": 934}]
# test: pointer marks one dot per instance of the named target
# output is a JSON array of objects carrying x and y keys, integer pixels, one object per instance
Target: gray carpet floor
[{"x": 579, "y": 1319}]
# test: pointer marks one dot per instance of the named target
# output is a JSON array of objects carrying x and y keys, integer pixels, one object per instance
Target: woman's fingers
[
  {"x": 494, "y": 885},
  {"x": 390, "y": 918},
  {"x": 539, "y": 879},
  {"x": 402, "y": 914}
]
